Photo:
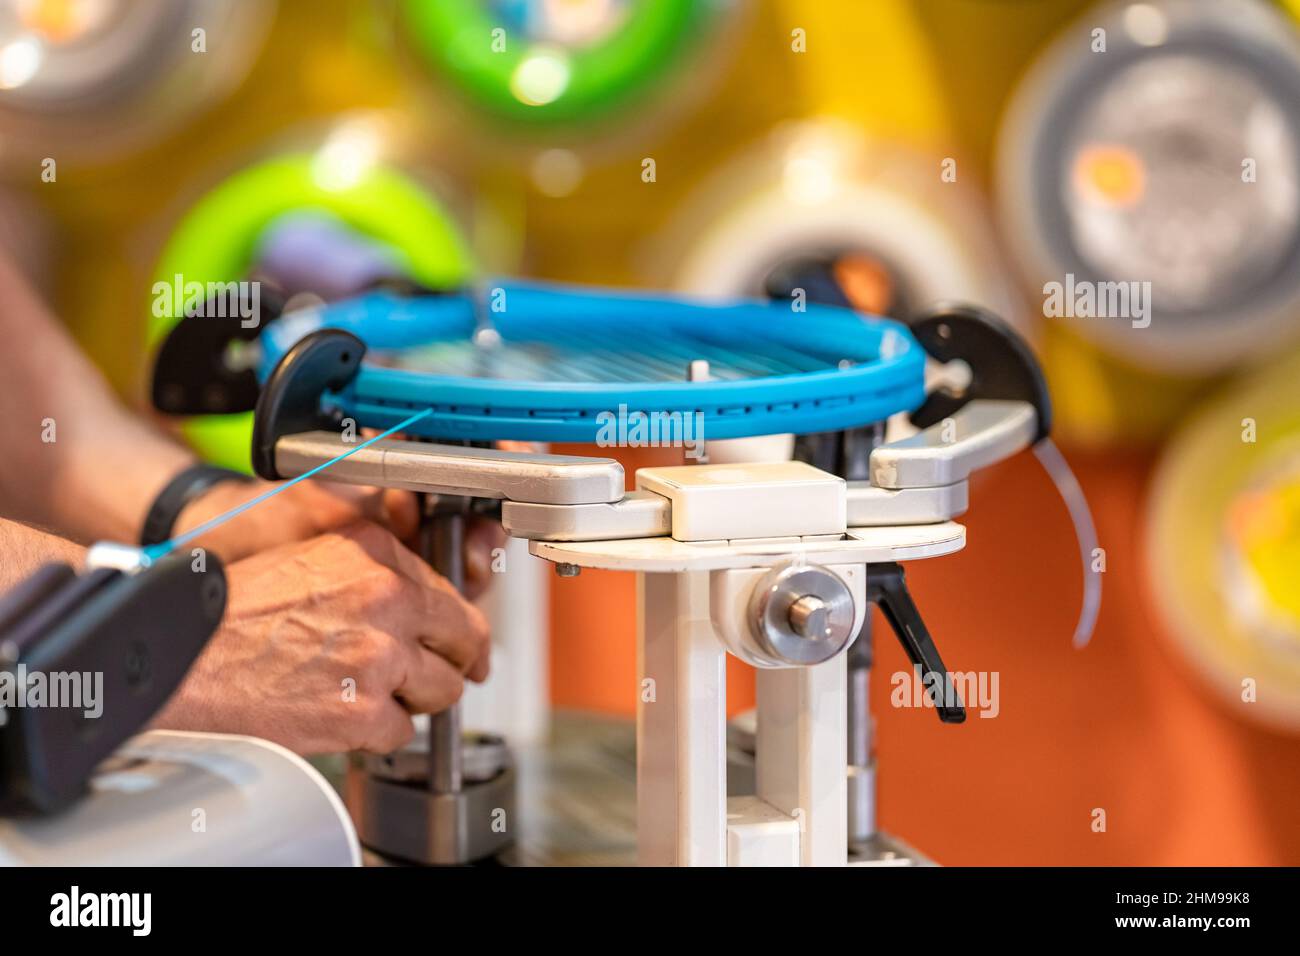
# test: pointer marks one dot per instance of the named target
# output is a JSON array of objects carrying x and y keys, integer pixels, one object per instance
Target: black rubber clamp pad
[
  {"x": 324, "y": 361},
  {"x": 1002, "y": 365}
]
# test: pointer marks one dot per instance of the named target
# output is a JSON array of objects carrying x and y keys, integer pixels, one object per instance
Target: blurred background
[{"x": 914, "y": 151}]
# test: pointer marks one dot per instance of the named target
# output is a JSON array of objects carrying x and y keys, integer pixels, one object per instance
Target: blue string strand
[{"x": 156, "y": 551}]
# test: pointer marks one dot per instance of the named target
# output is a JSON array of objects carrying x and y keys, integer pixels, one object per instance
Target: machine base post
[
  {"x": 802, "y": 755},
  {"x": 681, "y": 724}
]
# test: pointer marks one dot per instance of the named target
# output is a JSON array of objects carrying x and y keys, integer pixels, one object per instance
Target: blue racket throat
[{"x": 559, "y": 364}]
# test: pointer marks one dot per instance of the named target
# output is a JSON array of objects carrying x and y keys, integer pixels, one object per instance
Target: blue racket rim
[{"x": 608, "y": 356}]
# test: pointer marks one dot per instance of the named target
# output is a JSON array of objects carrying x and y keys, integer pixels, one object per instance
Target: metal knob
[
  {"x": 810, "y": 617},
  {"x": 800, "y": 615}
]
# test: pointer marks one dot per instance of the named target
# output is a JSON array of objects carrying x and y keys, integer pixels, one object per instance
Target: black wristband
[{"x": 180, "y": 491}]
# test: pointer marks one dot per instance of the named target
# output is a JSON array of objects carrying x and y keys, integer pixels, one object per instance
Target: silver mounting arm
[{"x": 917, "y": 480}]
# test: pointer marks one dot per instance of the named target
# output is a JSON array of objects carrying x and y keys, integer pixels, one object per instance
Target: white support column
[
  {"x": 802, "y": 755},
  {"x": 681, "y": 768},
  {"x": 513, "y": 701}
]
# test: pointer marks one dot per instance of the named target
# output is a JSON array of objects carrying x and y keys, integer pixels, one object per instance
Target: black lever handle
[{"x": 887, "y": 588}]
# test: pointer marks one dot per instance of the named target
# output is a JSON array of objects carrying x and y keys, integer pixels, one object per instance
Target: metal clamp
[
  {"x": 137, "y": 624},
  {"x": 981, "y": 433},
  {"x": 455, "y": 469}
]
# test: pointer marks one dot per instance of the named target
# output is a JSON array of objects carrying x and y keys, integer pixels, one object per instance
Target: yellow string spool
[{"x": 1223, "y": 544}]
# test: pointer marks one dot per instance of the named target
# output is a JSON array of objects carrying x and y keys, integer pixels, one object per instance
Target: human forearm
[
  {"x": 103, "y": 483},
  {"x": 75, "y": 458},
  {"x": 24, "y": 549}
]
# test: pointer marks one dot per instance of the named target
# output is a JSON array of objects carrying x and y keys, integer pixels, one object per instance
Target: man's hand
[
  {"x": 296, "y": 514},
  {"x": 330, "y": 645},
  {"x": 312, "y": 508}
]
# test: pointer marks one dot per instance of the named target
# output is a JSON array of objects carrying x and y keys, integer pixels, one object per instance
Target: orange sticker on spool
[{"x": 1111, "y": 174}]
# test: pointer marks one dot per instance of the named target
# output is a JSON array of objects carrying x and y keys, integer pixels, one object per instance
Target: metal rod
[
  {"x": 445, "y": 751},
  {"x": 862, "y": 777},
  {"x": 859, "y": 709},
  {"x": 855, "y": 456},
  {"x": 442, "y": 544}
]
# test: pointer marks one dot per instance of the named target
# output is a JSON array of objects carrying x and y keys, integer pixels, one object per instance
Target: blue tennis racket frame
[{"x": 820, "y": 369}]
